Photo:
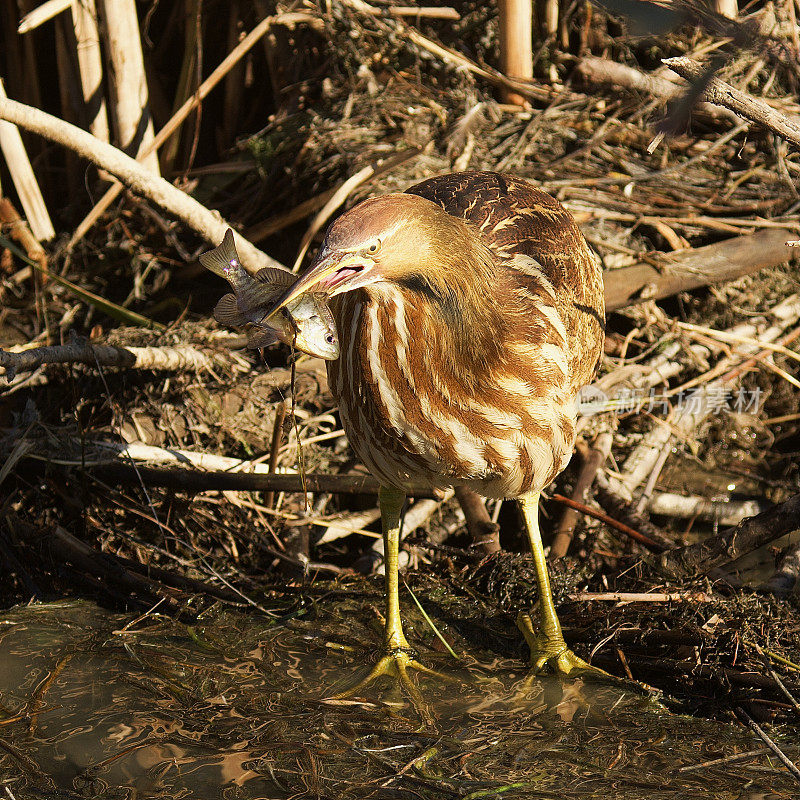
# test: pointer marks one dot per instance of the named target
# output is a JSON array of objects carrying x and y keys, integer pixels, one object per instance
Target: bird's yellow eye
[{"x": 374, "y": 247}]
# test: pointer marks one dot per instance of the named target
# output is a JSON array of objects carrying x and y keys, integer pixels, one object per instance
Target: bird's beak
[{"x": 331, "y": 275}]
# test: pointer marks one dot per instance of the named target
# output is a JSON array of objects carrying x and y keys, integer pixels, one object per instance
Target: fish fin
[
  {"x": 227, "y": 312},
  {"x": 276, "y": 276},
  {"x": 255, "y": 296},
  {"x": 261, "y": 336},
  {"x": 218, "y": 259}
]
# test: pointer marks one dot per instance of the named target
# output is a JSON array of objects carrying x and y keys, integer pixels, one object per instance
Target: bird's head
[{"x": 393, "y": 238}]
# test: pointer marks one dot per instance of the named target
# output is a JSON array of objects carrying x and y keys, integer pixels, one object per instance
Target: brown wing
[
  {"x": 512, "y": 216},
  {"x": 532, "y": 233}
]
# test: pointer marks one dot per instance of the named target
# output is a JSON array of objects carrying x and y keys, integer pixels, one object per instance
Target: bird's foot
[
  {"x": 396, "y": 665},
  {"x": 549, "y": 653}
]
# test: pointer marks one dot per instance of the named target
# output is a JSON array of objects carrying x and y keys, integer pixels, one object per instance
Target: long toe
[
  {"x": 563, "y": 661},
  {"x": 396, "y": 667}
]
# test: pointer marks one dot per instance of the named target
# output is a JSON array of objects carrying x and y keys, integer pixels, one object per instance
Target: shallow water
[{"x": 235, "y": 708}]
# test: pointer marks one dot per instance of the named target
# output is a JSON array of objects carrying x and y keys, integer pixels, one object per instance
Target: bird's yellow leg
[
  {"x": 399, "y": 656},
  {"x": 547, "y": 645},
  {"x": 391, "y": 503}
]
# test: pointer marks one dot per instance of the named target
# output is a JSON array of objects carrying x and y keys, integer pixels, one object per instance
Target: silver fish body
[{"x": 306, "y": 323}]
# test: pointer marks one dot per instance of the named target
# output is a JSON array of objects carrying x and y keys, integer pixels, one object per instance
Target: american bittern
[{"x": 470, "y": 313}]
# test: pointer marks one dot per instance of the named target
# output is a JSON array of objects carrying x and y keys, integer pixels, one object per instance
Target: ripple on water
[{"x": 235, "y": 708}]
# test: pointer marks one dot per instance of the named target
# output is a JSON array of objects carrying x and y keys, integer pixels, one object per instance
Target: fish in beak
[
  {"x": 305, "y": 323},
  {"x": 330, "y": 274}
]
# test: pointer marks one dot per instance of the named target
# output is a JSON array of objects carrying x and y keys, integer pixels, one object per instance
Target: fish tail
[{"x": 220, "y": 258}]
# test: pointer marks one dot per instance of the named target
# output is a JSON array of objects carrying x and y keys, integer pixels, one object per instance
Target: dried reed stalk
[
  {"x": 727, "y": 8},
  {"x": 41, "y": 14},
  {"x": 687, "y": 419},
  {"x": 24, "y": 179},
  {"x": 90, "y": 66},
  {"x": 516, "y": 45},
  {"x": 207, "y": 223},
  {"x": 183, "y": 112},
  {"x": 131, "y": 108}
]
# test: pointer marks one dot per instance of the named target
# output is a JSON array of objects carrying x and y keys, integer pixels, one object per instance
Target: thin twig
[
  {"x": 643, "y": 597},
  {"x": 646, "y": 541},
  {"x": 275, "y": 446},
  {"x": 726, "y": 760},
  {"x": 344, "y": 191},
  {"x": 730, "y": 336},
  {"x": 210, "y": 472},
  {"x": 759, "y": 731},
  {"x": 431, "y": 12},
  {"x": 777, "y": 678},
  {"x": 594, "y": 457}
]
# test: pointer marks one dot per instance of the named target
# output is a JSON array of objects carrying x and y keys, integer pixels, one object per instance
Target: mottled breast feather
[{"x": 416, "y": 408}]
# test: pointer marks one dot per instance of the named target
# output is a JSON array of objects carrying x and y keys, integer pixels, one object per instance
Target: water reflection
[{"x": 236, "y": 708}]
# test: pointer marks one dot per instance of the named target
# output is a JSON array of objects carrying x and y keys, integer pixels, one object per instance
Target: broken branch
[
  {"x": 208, "y": 224},
  {"x": 80, "y": 351},
  {"x": 702, "y": 557},
  {"x": 701, "y": 266},
  {"x": 745, "y": 105}
]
